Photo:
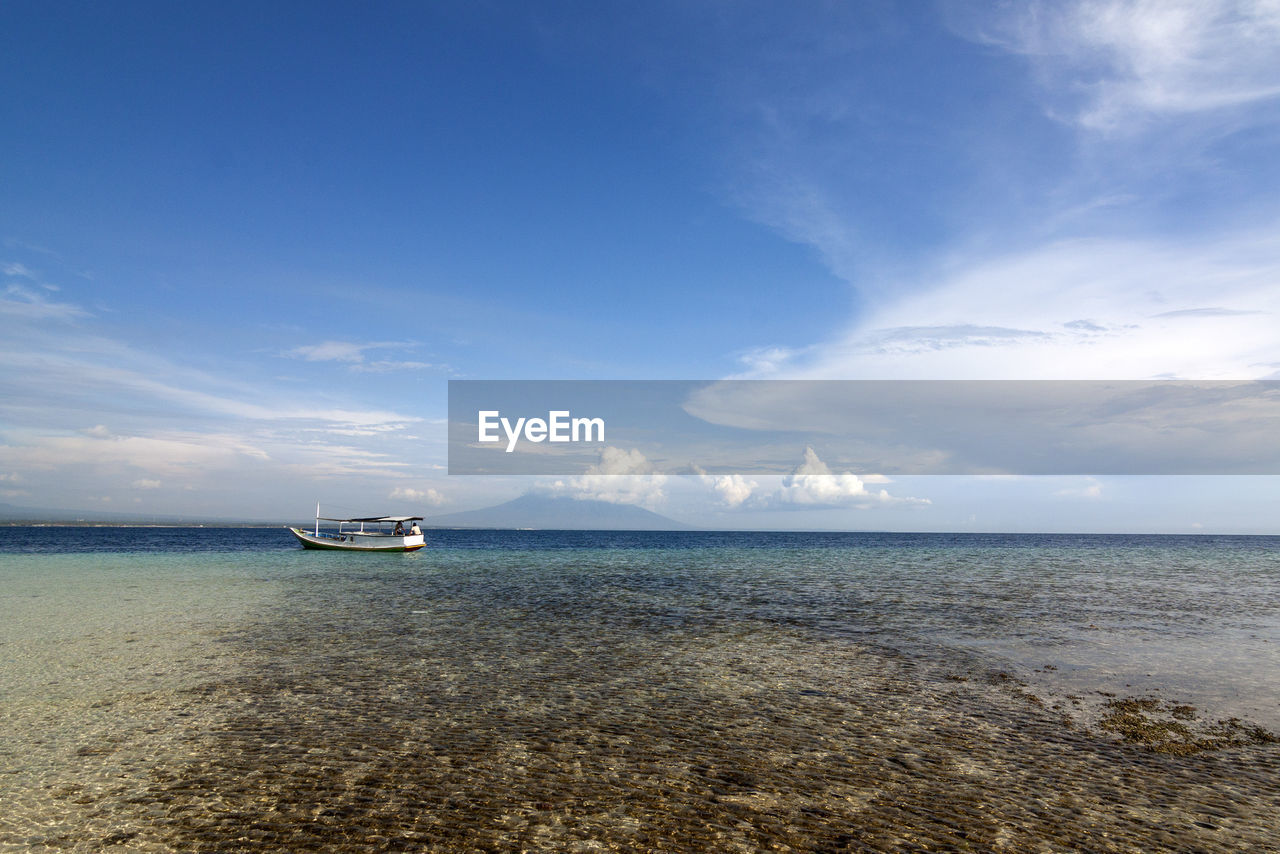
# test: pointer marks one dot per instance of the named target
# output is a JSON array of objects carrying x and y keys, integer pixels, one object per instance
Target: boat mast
[{"x": 317, "y": 518}]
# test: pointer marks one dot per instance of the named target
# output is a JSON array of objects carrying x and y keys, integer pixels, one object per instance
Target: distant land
[
  {"x": 527, "y": 511},
  {"x": 560, "y": 513},
  {"x": 11, "y": 514}
]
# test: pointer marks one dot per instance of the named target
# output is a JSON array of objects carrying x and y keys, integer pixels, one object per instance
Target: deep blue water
[{"x": 67, "y": 539}]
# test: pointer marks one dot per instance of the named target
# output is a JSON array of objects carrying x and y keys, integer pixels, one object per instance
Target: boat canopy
[{"x": 373, "y": 519}]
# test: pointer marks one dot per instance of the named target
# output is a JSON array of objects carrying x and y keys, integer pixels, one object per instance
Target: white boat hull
[{"x": 360, "y": 542}]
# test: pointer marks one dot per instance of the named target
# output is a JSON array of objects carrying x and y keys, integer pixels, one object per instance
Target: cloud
[
  {"x": 987, "y": 427},
  {"x": 253, "y": 469},
  {"x": 98, "y": 375},
  {"x": 734, "y": 489},
  {"x": 619, "y": 477},
  {"x": 812, "y": 484},
  {"x": 23, "y": 303},
  {"x": 355, "y": 356},
  {"x": 1206, "y": 312},
  {"x": 1112, "y": 65},
  {"x": 616, "y": 461},
  {"x": 87, "y": 412},
  {"x": 428, "y": 496},
  {"x": 763, "y": 361},
  {"x": 325, "y": 460},
  {"x": 384, "y": 366},
  {"x": 1022, "y": 286},
  {"x": 1091, "y": 489},
  {"x": 909, "y": 339},
  {"x": 332, "y": 351},
  {"x": 1035, "y": 296},
  {"x": 172, "y": 454},
  {"x": 1016, "y": 315},
  {"x": 782, "y": 193}
]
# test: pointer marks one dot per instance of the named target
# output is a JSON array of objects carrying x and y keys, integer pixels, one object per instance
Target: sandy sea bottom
[{"x": 624, "y": 699}]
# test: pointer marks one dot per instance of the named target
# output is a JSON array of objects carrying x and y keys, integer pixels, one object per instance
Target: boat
[{"x": 372, "y": 535}]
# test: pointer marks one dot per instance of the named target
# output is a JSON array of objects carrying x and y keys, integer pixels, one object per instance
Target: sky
[{"x": 245, "y": 246}]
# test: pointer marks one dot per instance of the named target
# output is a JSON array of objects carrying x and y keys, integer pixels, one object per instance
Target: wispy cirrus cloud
[
  {"x": 1140, "y": 93},
  {"x": 103, "y": 380},
  {"x": 1111, "y": 65},
  {"x": 355, "y": 356},
  {"x": 54, "y": 376},
  {"x": 1210, "y": 311},
  {"x": 340, "y": 351},
  {"x": 173, "y": 454},
  {"x": 20, "y": 301},
  {"x": 17, "y": 270},
  {"x": 765, "y": 361},
  {"x": 83, "y": 410},
  {"x": 387, "y": 366},
  {"x": 1018, "y": 316}
]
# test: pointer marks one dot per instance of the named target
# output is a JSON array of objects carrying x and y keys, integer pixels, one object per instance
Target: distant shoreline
[
  {"x": 32, "y": 523},
  {"x": 88, "y": 523}
]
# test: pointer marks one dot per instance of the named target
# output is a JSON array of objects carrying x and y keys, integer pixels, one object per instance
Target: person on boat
[
  {"x": 415, "y": 530},
  {"x": 399, "y": 529}
]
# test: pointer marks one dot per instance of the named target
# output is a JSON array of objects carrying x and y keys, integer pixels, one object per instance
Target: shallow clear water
[{"x": 206, "y": 689}]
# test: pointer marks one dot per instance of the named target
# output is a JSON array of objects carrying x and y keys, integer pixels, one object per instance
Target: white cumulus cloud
[
  {"x": 812, "y": 484},
  {"x": 734, "y": 489},
  {"x": 619, "y": 477}
]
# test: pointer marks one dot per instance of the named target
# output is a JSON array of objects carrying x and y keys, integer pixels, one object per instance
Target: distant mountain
[{"x": 547, "y": 512}]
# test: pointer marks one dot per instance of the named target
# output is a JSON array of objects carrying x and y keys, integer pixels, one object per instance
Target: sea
[{"x": 223, "y": 690}]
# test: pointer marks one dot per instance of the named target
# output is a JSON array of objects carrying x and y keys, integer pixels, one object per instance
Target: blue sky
[{"x": 245, "y": 246}]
